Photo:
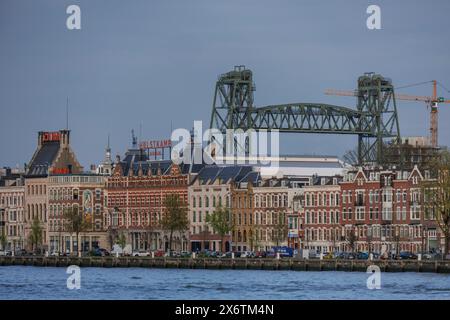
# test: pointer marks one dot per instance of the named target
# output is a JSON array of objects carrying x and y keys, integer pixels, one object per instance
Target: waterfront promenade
[{"x": 437, "y": 266}]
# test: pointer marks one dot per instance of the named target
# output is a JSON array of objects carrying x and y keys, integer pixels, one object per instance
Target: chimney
[
  {"x": 65, "y": 138},
  {"x": 40, "y": 134}
]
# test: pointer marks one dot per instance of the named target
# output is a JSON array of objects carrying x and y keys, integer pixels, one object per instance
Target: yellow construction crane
[{"x": 432, "y": 102}]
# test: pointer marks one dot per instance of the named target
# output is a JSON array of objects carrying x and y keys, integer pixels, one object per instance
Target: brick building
[
  {"x": 266, "y": 212},
  {"x": 370, "y": 210},
  {"x": 85, "y": 194},
  {"x": 322, "y": 217},
  {"x": 135, "y": 199},
  {"x": 382, "y": 209},
  {"x": 53, "y": 155}
]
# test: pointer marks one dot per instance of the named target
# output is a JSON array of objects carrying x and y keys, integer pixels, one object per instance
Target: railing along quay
[{"x": 437, "y": 266}]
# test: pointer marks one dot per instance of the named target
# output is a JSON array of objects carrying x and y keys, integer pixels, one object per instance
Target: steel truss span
[{"x": 374, "y": 120}]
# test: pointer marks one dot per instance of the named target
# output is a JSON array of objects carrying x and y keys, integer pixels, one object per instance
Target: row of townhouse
[
  {"x": 12, "y": 215},
  {"x": 370, "y": 210},
  {"x": 366, "y": 209}
]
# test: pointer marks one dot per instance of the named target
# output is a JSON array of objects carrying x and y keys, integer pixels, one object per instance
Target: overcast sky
[{"x": 153, "y": 63}]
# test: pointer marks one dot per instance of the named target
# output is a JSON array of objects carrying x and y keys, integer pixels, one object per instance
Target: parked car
[
  {"x": 175, "y": 254},
  {"x": 362, "y": 256},
  {"x": 104, "y": 252},
  {"x": 431, "y": 256},
  {"x": 97, "y": 252},
  {"x": 185, "y": 254},
  {"x": 226, "y": 255},
  {"x": 376, "y": 255},
  {"x": 159, "y": 253},
  {"x": 212, "y": 254},
  {"x": 407, "y": 255},
  {"x": 21, "y": 252},
  {"x": 247, "y": 254},
  {"x": 329, "y": 255},
  {"x": 260, "y": 254},
  {"x": 140, "y": 253},
  {"x": 347, "y": 255},
  {"x": 314, "y": 255}
]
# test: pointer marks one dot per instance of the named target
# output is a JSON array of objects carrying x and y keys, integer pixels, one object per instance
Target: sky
[{"x": 153, "y": 65}]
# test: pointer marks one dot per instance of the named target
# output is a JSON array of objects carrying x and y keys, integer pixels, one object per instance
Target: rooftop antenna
[
  {"x": 133, "y": 139},
  {"x": 67, "y": 113}
]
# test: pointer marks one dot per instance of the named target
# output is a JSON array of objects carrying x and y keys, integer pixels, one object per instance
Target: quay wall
[{"x": 438, "y": 266}]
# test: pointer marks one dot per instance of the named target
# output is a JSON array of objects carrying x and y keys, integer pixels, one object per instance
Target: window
[
  {"x": 97, "y": 209},
  {"x": 360, "y": 213},
  {"x": 98, "y": 193},
  {"x": 387, "y": 214},
  {"x": 75, "y": 194},
  {"x": 415, "y": 213}
]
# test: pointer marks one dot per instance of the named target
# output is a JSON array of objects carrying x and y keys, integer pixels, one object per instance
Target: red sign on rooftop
[
  {"x": 51, "y": 136},
  {"x": 155, "y": 144}
]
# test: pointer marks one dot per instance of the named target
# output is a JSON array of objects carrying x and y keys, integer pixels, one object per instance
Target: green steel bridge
[{"x": 374, "y": 120}]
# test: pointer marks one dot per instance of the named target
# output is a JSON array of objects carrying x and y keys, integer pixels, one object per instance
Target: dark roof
[
  {"x": 253, "y": 177},
  {"x": 43, "y": 159},
  {"x": 209, "y": 174},
  {"x": 317, "y": 180}
]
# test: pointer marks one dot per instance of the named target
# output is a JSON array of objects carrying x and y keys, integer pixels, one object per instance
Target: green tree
[
  {"x": 3, "y": 240},
  {"x": 122, "y": 241},
  {"x": 220, "y": 220},
  {"x": 76, "y": 222},
  {"x": 175, "y": 217},
  {"x": 280, "y": 228},
  {"x": 35, "y": 234},
  {"x": 436, "y": 195}
]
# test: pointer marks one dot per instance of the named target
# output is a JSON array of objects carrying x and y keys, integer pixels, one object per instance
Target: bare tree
[
  {"x": 436, "y": 195},
  {"x": 76, "y": 222},
  {"x": 175, "y": 217},
  {"x": 351, "y": 239}
]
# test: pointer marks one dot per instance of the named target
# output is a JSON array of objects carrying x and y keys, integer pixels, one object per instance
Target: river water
[{"x": 27, "y": 282}]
